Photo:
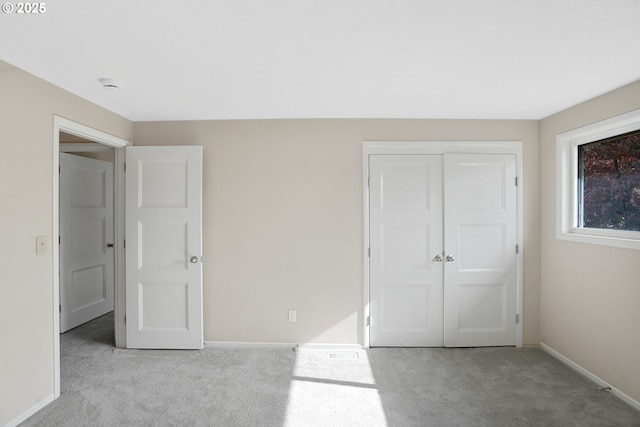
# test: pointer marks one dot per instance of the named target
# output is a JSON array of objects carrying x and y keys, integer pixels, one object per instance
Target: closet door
[
  {"x": 480, "y": 250},
  {"x": 443, "y": 264},
  {"x": 406, "y": 246}
]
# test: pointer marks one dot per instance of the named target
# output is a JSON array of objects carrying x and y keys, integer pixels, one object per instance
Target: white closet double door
[{"x": 443, "y": 264}]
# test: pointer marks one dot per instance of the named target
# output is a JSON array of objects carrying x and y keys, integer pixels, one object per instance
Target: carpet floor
[{"x": 105, "y": 386}]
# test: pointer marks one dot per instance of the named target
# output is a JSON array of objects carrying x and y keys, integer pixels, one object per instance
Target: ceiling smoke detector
[{"x": 110, "y": 83}]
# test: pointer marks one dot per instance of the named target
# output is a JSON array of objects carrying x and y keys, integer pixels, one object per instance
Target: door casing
[
  {"x": 61, "y": 124},
  {"x": 440, "y": 147}
]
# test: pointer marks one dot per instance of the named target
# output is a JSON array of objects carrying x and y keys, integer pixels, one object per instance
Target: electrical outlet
[
  {"x": 292, "y": 316},
  {"x": 41, "y": 245}
]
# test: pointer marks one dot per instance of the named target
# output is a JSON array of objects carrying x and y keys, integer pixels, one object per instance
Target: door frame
[
  {"x": 61, "y": 124},
  {"x": 440, "y": 148}
]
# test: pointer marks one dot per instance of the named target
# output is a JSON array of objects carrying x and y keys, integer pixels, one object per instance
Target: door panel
[
  {"x": 164, "y": 247},
  {"x": 406, "y": 284},
  {"x": 480, "y": 235},
  {"x": 86, "y": 227}
]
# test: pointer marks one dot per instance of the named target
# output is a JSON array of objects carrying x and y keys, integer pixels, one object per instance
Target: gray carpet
[{"x": 105, "y": 386}]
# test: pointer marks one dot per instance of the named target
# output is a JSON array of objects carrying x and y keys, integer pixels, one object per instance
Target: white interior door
[
  {"x": 405, "y": 241},
  {"x": 164, "y": 247},
  {"x": 86, "y": 231},
  {"x": 423, "y": 208},
  {"x": 480, "y": 250}
]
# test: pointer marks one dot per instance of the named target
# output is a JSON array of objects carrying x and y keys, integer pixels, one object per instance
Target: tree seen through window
[{"x": 609, "y": 180}]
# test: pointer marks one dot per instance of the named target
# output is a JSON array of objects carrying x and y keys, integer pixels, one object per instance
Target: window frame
[{"x": 567, "y": 182}]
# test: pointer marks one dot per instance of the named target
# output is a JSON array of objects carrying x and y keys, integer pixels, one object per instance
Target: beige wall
[
  {"x": 283, "y": 219},
  {"x": 27, "y": 107},
  {"x": 589, "y": 293}
]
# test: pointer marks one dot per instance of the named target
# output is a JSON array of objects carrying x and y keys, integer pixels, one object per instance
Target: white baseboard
[
  {"x": 232, "y": 344},
  {"x": 29, "y": 412},
  {"x": 312, "y": 346},
  {"x": 599, "y": 381},
  {"x": 308, "y": 346}
]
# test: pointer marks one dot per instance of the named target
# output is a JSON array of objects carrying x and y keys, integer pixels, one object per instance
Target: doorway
[
  {"x": 442, "y": 238},
  {"x": 90, "y": 136}
]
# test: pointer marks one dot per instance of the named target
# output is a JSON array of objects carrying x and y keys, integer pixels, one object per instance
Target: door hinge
[
  {"x": 516, "y": 181},
  {"x": 368, "y": 252},
  {"x": 59, "y": 170},
  {"x": 59, "y": 240},
  {"x": 125, "y": 166},
  {"x": 124, "y": 244},
  {"x": 517, "y": 318},
  {"x": 60, "y": 308},
  {"x": 517, "y": 249},
  {"x": 368, "y": 321},
  {"x": 125, "y": 319},
  {"x": 369, "y": 181}
]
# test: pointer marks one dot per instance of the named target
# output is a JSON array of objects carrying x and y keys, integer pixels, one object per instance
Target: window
[
  {"x": 598, "y": 192},
  {"x": 609, "y": 183}
]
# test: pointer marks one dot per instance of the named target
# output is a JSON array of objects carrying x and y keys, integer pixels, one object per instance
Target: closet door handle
[
  {"x": 449, "y": 258},
  {"x": 438, "y": 258}
]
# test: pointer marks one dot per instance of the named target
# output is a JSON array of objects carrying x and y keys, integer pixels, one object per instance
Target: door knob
[
  {"x": 194, "y": 259},
  {"x": 438, "y": 258},
  {"x": 449, "y": 258},
  {"x": 109, "y": 245}
]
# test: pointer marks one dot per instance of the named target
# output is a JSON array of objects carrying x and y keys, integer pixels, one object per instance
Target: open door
[
  {"x": 86, "y": 240},
  {"x": 164, "y": 247}
]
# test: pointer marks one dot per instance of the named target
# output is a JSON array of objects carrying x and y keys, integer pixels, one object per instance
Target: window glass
[{"x": 609, "y": 183}]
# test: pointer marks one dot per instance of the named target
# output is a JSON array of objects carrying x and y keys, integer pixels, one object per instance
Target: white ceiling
[{"x": 245, "y": 59}]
